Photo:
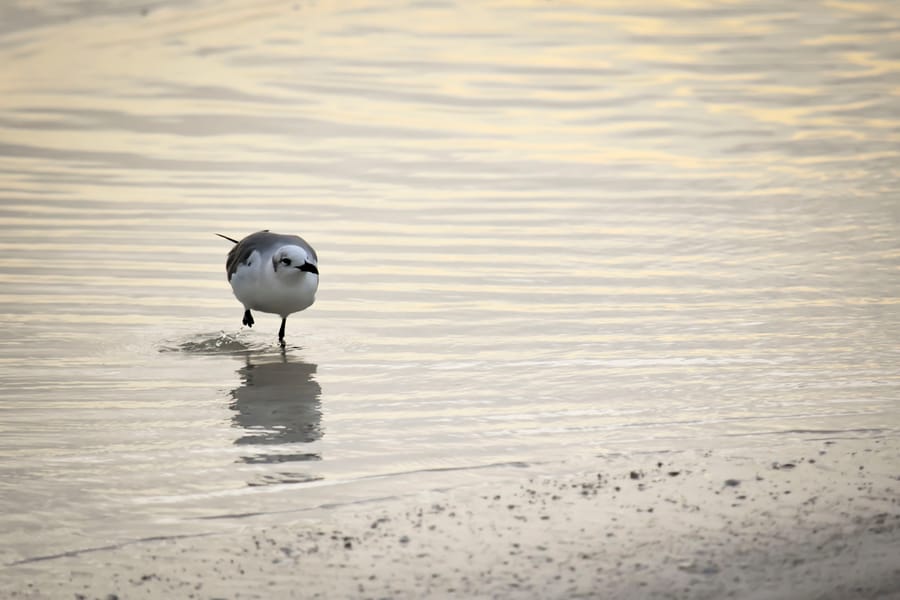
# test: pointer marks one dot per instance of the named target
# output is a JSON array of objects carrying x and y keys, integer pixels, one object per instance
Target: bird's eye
[{"x": 286, "y": 262}]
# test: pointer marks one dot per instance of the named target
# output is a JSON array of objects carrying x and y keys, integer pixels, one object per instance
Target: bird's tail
[{"x": 227, "y": 238}]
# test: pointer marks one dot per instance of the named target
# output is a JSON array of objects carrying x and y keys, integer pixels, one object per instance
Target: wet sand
[{"x": 816, "y": 519}]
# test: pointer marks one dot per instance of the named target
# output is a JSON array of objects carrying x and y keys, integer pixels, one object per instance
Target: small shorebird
[{"x": 273, "y": 273}]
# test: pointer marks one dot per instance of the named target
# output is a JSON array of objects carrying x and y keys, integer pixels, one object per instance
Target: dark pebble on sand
[{"x": 732, "y": 482}]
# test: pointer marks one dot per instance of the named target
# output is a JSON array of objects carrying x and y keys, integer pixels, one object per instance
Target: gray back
[{"x": 266, "y": 243}]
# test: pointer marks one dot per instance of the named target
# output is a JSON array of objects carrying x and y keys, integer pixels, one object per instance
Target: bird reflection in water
[{"x": 278, "y": 402}]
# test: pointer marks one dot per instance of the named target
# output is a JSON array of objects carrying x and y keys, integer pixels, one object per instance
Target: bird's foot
[{"x": 248, "y": 319}]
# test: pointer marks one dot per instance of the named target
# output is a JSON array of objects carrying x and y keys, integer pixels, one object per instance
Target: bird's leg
[
  {"x": 281, "y": 331},
  {"x": 248, "y": 318}
]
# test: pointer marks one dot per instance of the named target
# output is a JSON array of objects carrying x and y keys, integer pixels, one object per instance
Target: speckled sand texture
[{"x": 815, "y": 519}]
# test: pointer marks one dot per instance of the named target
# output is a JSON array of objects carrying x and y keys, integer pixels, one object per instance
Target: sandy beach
[
  {"x": 817, "y": 519},
  {"x": 609, "y": 302}
]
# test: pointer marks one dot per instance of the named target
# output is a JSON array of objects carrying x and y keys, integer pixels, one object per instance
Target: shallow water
[{"x": 544, "y": 232}]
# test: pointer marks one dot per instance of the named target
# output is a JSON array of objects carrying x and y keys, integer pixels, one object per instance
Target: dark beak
[{"x": 309, "y": 268}]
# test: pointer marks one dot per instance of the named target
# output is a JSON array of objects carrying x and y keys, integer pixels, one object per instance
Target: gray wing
[{"x": 266, "y": 243}]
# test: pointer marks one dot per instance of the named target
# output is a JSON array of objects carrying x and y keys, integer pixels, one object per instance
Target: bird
[{"x": 273, "y": 273}]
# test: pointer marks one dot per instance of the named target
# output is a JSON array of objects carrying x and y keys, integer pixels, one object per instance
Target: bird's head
[{"x": 291, "y": 261}]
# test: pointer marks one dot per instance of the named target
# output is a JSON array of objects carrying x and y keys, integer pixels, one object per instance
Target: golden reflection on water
[
  {"x": 319, "y": 61},
  {"x": 543, "y": 229}
]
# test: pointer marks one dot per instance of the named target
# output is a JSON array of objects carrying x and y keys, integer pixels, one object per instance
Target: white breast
[{"x": 257, "y": 286}]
